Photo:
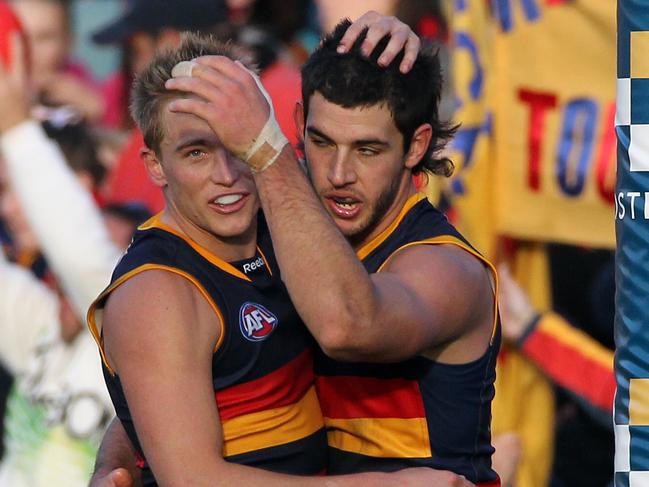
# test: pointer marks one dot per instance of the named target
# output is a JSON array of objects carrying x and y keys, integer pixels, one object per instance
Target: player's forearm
[
  {"x": 228, "y": 474},
  {"x": 411, "y": 477},
  {"x": 116, "y": 452},
  {"x": 327, "y": 283}
]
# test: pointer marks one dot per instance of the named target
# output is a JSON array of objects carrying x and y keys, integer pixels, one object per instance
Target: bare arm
[
  {"x": 566, "y": 355},
  {"x": 61, "y": 212}
]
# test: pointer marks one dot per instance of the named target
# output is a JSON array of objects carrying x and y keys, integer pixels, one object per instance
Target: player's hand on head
[
  {"x": 232, "y": 100},
  {"x": 229, "y": 100},
  {"x": 119, "y": 477},
  {"x": 401, "y": 37}
]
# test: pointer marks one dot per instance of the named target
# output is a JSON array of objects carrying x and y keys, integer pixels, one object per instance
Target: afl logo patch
[{"x": 256, "y": 322}]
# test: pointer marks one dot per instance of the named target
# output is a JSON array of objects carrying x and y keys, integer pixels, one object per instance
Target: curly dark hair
[{"x": 354, "y": 80}]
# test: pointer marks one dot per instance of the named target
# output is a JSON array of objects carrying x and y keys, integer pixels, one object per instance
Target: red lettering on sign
[
  {"x": 539, "y": 104},
  {"x": 605, "y": 169}
]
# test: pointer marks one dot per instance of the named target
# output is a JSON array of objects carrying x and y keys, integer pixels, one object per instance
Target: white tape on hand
[
  {"x": 183, "y": 68},
  {"x": 267, "y": 146}
]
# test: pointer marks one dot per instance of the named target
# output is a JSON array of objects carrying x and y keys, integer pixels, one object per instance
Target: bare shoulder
[
  {"x": 455, "y": 288},
  {"x": 154, "y": 309},
  {"x": 147, "y": 296},
  {"x": 448, "y": 265}
]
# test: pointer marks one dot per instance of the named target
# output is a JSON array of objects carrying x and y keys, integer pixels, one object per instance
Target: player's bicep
[
  {"x": 434, "y": 294},
  {"x": 161, "y": 348}
]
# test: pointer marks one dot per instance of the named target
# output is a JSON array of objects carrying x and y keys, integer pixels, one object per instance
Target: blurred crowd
[{"x": 73, "y": 190}]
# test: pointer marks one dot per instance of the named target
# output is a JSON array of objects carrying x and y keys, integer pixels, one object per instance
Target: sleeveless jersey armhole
[{"x": 95, "y": 311}]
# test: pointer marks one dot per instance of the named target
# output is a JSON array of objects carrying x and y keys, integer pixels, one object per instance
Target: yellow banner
[
  {"x": 536, "y": 85},
  {"x": 472, "y": 185}
]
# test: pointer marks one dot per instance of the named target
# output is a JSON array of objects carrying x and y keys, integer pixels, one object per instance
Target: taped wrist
[{"x": 268, "y": 145}]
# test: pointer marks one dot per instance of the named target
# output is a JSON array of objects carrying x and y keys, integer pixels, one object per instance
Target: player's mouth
[
  {"x": 345, "y": 207},
  {"x": 229, "y": 203}
]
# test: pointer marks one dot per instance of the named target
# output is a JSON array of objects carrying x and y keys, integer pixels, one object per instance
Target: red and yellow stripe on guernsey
[
  {"x": 573, "y": 360},
  {"x": 375, "y": 417},
  {"x": 276, "y": 409}
]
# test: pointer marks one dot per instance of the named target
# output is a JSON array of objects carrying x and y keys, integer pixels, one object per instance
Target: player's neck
[
  {"x": 234, "y": 248},
  {"x": 406, "y": 190}
]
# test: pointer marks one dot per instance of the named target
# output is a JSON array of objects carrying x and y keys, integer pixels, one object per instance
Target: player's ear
[
  {"x": 418, "y": 145},
  {"x": 153, "y": 167},
  {"x": 298, "y": 117}
]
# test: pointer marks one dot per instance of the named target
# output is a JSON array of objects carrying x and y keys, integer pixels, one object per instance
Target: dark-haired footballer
[
  {"x": 402, "y": 306},
  {"x": 207, "y": 362},
  {"x": 424, "y": 298}
]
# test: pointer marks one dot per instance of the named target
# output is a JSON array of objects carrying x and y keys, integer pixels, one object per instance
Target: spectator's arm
[
  {"x": 567, "y": 356},
  {"x": 572, "y": 359},
  {"x": 62, "y": 213}
]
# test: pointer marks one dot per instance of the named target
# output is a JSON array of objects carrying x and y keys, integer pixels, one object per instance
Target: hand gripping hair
[{"x": 265, "y": 148}]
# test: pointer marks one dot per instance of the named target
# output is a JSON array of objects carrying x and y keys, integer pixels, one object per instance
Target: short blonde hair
[{"x": 148, "y": 93}]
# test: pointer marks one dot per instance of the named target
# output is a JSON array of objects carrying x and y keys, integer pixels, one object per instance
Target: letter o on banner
[{"x": 632, "y": 256}]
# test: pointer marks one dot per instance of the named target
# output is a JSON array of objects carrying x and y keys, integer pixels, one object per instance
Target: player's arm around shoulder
[
  {"x": 159, "y": 336},
  {"x": 435, "y": 300}
]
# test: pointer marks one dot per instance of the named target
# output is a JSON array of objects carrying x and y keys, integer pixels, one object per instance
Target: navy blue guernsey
[
  {"x": 262, "y": 367},
  {"x": 418, "y": 412}
]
